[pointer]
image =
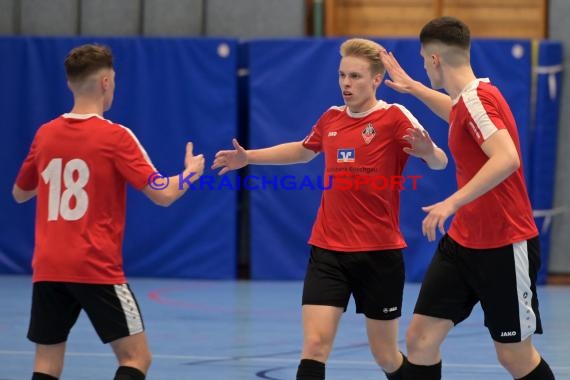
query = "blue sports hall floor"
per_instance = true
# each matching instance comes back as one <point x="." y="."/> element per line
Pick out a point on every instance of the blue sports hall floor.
<point x="247" y="330"/>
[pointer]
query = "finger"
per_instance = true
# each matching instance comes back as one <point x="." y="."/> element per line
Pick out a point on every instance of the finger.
<point x="441" y="226"/>
<point x="236" y="144"/>
<point x="390" y="84"/>
<point x="217" y="163"/>
<point x="431" y="234"/>
<point x="224" y="170"/>
<point x="189" y="147"/>
<point x="223" y="153"/>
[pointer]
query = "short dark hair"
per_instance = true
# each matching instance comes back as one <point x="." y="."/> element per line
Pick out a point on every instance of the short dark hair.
<point x="85" y="60"/>
<point x="448" y="30"/>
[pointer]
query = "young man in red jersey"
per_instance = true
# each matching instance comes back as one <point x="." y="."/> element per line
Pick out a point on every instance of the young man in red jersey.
<point x="490" y="253"/>
<point x="78" y="166"/>
<point x="356" y="240"/>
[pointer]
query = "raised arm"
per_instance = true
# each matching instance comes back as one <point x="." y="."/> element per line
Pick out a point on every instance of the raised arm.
<point x="282" y="154"/>
<point x="178" y="184"/>
<point x="400" y="81"/>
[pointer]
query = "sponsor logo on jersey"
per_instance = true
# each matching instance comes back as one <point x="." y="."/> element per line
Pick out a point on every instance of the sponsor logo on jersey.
<point x="345" y="155"/>
<point x="508" y="333"/>
<point x="332" y="134"/>
<point x="368" y="133"/>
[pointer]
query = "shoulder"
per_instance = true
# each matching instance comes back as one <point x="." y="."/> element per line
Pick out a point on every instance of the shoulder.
<point x="400" y="113"/>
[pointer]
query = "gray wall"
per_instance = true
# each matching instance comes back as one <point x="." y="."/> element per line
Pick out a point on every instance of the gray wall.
<point x="228" y="18"/>
<point x="560" y="250"/>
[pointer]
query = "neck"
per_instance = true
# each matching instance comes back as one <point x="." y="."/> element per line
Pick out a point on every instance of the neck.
<point x="456" y="80"/>
<point x="87" y="106"/>
<point x="367" y="107"/>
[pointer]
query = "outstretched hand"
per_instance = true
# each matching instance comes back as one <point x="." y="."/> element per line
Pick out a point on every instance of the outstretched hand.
<point x="421" y="144"/>
<point x="230" y="159"/>
<point x="436" y="217"/>
<point x="399" y="79"/>
<point x="193" y="164"/>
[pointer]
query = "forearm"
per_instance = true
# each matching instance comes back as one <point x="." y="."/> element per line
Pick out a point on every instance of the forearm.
<point x="282" y="154"/>
<point x="177" y="185"/>
<point x="436" y="161"/>
<point x="495" y="171"/>
<point x="438" y="102"/>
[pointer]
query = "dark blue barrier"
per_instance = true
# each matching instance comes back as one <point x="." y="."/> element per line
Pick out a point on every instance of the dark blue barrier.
<point x="292" y="82"/>
<point x="169" y="91"/>
<point x="173" y="90"/>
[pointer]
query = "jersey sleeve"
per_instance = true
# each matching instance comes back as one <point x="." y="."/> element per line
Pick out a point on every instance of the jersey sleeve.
<point x="27" y="178"/>
<point x="132" y="161"/>
<point x="405" y="121"/>
<point x="483" y="118"/>
<point x="314" y="140"/>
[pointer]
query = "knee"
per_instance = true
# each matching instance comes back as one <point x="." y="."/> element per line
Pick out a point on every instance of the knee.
<point x="316" y="347"/>
<point x="389" y="361"/>
<point x="419" y="342"/>
<point x="140" y="359"/>
<point x="506" y="358"/>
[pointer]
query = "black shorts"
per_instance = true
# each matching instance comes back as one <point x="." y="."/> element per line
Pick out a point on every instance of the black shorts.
<point x="374" y="278"/>
<point x="112" y="309"/>
<point x="503" y="279"/>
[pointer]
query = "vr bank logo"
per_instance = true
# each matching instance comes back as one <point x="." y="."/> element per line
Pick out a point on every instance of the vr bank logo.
<point x="345" y="155"/>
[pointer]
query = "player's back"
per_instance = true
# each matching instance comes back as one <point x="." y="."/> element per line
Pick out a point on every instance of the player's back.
<point x="81" y="199"/>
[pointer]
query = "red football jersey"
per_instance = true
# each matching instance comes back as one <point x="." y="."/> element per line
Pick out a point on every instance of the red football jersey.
<point x="80" y="165"/>
<point x="503" y="215"/>
<point x="364" y="159"/>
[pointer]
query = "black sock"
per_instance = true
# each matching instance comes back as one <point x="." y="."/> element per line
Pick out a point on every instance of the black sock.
<point x="42" y="376"/>
<point x="128" y="373"/>
<point x="399" y="373"/>
<point x="422" y="372"/>
<point x="311" y="370"/>
<point x="541" y="372"/>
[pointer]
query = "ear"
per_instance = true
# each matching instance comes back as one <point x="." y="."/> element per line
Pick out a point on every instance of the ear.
<point x="378" y="78"/>
<point x="105" y="81"/>
<point x="435" y="60"/>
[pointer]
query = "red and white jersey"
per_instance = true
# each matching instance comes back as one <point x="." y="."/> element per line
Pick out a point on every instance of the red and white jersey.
<point x="80" y="165"/>
<point x="363" y="155"/>
<point x="503" y="215"/>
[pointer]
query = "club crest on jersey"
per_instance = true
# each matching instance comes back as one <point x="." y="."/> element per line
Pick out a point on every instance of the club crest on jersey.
<point x="368" y="133"/>
<point x="345" y="155"/>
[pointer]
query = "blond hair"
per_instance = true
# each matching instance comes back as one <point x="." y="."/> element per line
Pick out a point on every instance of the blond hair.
<point x="367" y="49"/>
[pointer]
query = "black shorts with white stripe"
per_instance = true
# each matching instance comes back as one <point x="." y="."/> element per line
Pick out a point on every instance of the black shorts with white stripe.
<point x="502" y="279"/>
<point x="112" y="309"/>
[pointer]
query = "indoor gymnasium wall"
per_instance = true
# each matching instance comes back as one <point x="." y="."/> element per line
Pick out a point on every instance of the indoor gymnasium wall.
<point x="560" y="243"/>
<point x="248" y="19"/>
<point x="241" y="19"/>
